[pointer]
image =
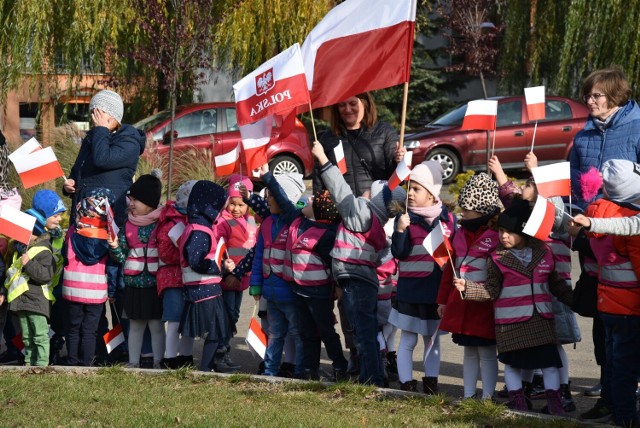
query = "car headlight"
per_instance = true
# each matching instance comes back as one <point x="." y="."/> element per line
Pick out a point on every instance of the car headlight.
<point x="413" y="144"/>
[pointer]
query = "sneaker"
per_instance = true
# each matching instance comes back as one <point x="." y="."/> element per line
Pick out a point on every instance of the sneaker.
<point x="219" y="366"/>
<point x="594" y="391"/>
<point x="9" y="359"/>
<point x="229" y="362"/>
<point x="146" y="362"/>
<point x="599" y="413"/>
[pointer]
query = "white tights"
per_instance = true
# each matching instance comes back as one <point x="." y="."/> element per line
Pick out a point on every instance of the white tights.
<point x="176" y="344"/>
<point x="483" y="360"/>
<point x="408" y="341"/>
<point x="513" y="377"/>
<point x="136" y="333"/>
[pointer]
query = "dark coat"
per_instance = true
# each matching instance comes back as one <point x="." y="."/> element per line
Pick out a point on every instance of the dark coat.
<point x="376" y="146"/>
<point x="107" y="160"/>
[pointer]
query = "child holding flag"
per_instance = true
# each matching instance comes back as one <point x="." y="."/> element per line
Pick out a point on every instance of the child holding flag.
<point x="415" y="309"/>
<point x="471" y="323"/>
<point x="31" y="277"/>
<point x="137" y="248"/>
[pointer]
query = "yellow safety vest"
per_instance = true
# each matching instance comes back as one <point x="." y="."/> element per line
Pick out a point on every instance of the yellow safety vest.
<point x="17" y="281"/>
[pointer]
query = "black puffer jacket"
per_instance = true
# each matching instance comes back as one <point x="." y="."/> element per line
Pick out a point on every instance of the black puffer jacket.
<point x="376" y="146"/>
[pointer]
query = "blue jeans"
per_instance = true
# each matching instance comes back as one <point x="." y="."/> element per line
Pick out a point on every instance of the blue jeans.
<point x="361" y="303"/>
<point x="283" y="319"/>
<point x="621" y="369"/>
<point x="232" y="300"/>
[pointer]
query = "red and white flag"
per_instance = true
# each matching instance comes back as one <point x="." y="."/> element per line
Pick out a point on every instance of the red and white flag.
<point x="16" y="224"/>
<point x="276" y="87"/>
<point x="341" y="162"/>
<point x="112" y="227"/>
<point x="541" y="220"/>
<point x="553" y="180"/>
<point x="402" y="171"/>
<point x="221" y="250"/>
<point x="480" y="115"/>
<point x="38" y="167"/>
<point x="359" y="46"/>
<point x="255" y="139"/>
<point x="438" y="245"/>
<point x="32" y="145"/>
<point x="113" y="338"/>
<point x="228" y="163"/>
<point x="256" y="338"/>
<point x="535" y="102"/>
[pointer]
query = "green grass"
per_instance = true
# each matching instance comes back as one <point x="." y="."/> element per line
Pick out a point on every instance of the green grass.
<point x="113" y="397"/>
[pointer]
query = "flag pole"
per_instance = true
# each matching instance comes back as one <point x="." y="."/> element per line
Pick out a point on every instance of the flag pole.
<point x="493" y="143"/>
<point x="313" y="125"/>
<point x="406" y="201"/>
<point x="533" y="140"/>
<point x="488" y="152"/>
<point x="453" y="266"/>
<point x="403" y="116"/>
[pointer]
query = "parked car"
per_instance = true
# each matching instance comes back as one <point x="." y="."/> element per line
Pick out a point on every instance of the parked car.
<point x="214" y="126"/>
<point x="443" y="141"/>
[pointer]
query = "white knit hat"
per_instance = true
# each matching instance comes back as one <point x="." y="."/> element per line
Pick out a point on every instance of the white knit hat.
<point x="428" y="174"/>
<point x="109" y="102"/>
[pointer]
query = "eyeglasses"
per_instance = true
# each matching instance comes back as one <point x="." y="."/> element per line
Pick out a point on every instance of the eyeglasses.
<point x="593" y="97"/>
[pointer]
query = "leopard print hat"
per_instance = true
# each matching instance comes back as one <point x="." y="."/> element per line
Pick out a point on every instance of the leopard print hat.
<point x="480" y="194"/>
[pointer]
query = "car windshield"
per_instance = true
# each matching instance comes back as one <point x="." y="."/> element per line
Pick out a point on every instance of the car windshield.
<point x="149" y="122"/>
<point x="451" y="118"/>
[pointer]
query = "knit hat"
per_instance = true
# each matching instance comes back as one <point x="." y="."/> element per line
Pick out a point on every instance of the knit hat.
<point x="46" y="203"/>
<point x="292" y="185"/>
<point x="621" y="180"/>
<point x="428" y="174"/>
<point x="182" y="195"/>
<point x="109" y="102"/>
<point x="480" y="194"/>
<point x="235" y="181"/>
<point x="147" y="189"/>
<point x="382" y="196"/>
<point x="515" y="217"/>
<point x="324" y="209"/>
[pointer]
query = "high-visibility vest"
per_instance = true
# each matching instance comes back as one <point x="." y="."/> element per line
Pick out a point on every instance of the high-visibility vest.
<point x="141" y="255"/>
<point x="189" y="276"/>
<point x="360" y="248"/>
<point x="385" y="272"/>
<point x="615" y="270"/>
<point x="84" y="283"/>
<point x="471" y="261"/>
<point x="521" y="295"/>
<point x="562" y="256"/>
<point x="419" y="263"/>
<point x="275" y="249"/>
<point x="305" y="267"/>
<point x="17" y="282"/>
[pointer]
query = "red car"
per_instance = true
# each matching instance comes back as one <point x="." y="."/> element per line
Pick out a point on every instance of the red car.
<point x="443" y="141"/>
<point x="214" y="125"/>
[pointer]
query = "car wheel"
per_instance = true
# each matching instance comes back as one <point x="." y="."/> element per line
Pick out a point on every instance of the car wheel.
<point x="449" y="162"/>
<point x="285" y="165"/>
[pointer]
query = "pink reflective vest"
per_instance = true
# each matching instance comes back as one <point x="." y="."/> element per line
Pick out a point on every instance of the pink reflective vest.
<point x="189" y="276"/>
<point x="140" y="255"/>
<point x="562" y="257"/>
<point x="242" y="239"/>
<point x="304" y="266"/>
<point x="521" y="295"/>
<point x="275" y="250"/>
<point x="419" y="263"/>
<point x="82" y="283"/>
<point x="360" y="248"/>
<point x="615" y="270"/>
<point x="471" y="262"/>
<point x="385" y="273"/>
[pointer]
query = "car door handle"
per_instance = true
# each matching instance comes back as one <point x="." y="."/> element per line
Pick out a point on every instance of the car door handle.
<point x="518" y="133"/>
<point x="566" y="128"/>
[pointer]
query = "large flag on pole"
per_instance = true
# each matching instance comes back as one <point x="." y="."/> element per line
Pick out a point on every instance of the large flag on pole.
<point x="541" y="220"/>
<point x="553" y="180"/>
<point x="480" y="115"/>
<point x="535" y="102"/>
<point x="255" y="139"/>
<point x="359" y="46"/>
<point x="276" y="87"/>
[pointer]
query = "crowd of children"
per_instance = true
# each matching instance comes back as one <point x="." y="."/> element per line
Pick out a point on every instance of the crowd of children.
<point x="504" y="295"/>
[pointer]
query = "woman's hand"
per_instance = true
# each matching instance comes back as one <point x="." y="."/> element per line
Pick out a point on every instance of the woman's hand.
<point x="101" y="118"/>
<point x="69" y="185"/>
<point x="400" y="152"/>
<point x="318" y="152"/>
<point x="403" y="222"/>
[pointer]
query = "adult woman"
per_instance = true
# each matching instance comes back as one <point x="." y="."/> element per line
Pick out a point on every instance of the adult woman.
<point x="370" y="146"/>
<point x="612" y="130"/>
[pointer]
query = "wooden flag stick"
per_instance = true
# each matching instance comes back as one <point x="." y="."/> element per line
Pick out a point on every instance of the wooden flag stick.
<point x="313" y="124"/>
<point x="533" y="140"/>
<point x="403" y="116"/>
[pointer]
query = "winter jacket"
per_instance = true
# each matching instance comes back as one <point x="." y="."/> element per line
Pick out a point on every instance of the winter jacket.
<point x="169" y="274"/>
<point x="107" y="160"/>
<point x="371" y="159"/>
<point x="592" y="147"/>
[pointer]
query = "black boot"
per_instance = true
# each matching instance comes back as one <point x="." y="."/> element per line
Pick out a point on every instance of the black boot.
<point x="567" y="399"/>
<point x="287" y="370"/>
<point x="411" y="386"/>
<point x="430" y="385"/>
<point x="527" y="387"/>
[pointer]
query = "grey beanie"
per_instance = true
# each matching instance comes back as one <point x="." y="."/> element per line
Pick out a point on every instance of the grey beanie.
<point x="292" y="185"/>
<point x="182" y="195"/>
<point x="109" y="102"/>
<point x="621" y="180"/>
<point x="382" y="196"/>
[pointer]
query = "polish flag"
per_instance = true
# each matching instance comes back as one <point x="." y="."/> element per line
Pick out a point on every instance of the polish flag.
<point x="16" y="224"/>
<point x="340" y="160"/>
<point x="38" y="167"/>
<point x="256" y="338"/>
<point x="112" y="227"/>
<point x="175" y="233"/>
<point x="402" y="171"/>
<point x="553" y="180"/>
<point x="480" y="115"/>
<point x="27" y="148"/>
<point x="255" y="139"/>
<point x="227" y="163"/>
<point x="535" y="102"/>
<point x="541" y="220"/>
<point x="276" y="87"/>
<point x="18" y="343"/>
<point x="221" y="250"/>
<point x="113" y="338"/>
<point x="359" y="46"/>
<point x="438" y="245"/>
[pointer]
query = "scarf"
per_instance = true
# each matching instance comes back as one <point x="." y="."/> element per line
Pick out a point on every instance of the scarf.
<point x="428" y="213"/>
<point x="524" y="255"/>
<point x="147" y="219"/>
<point x="603" y="124"/>
<point x="476" y="223"/>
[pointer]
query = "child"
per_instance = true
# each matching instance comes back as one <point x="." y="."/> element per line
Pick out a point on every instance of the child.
<point x="238" y="229"/>
<point x="169" y="279"/>
<point x="137" y="249"/>
<point x="471" y="323"/>
<point x="359" y="240"/>
<point x="29" y="280"/>
<point x="415" y="308"/>
<point x="267" y="276"/>
<point x="204" y="314"/>
<point x="521" y="278"/>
